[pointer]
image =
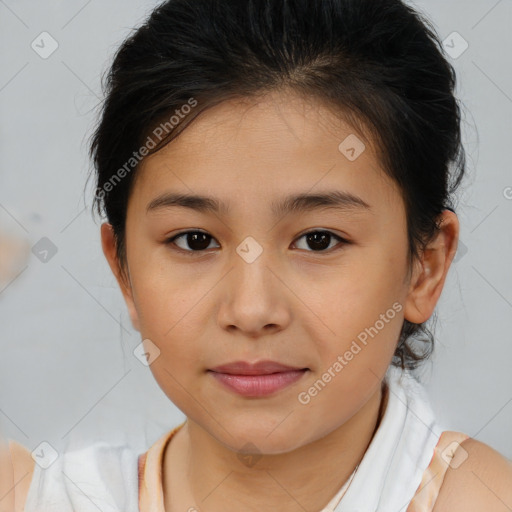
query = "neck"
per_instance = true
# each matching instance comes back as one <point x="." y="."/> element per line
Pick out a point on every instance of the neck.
<point x="210" y="475"/>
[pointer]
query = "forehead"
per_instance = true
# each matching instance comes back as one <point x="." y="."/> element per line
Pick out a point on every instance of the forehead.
<point x="256" y="150"/>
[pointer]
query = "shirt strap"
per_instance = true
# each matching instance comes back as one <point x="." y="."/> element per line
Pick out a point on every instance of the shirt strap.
<point x="150" y="471"/>
<point x="443" y="458"/>
<point x="16" y="470"/>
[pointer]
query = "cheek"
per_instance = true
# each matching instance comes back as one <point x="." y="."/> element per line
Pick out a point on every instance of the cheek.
<point x="171" y="310"/>
<point x="361" y="304"/>
<point x="169" y="316"/>
<point x="164" y="296"/>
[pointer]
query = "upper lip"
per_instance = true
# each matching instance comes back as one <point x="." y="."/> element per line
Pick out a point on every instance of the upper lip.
<point x="259" y="368"/>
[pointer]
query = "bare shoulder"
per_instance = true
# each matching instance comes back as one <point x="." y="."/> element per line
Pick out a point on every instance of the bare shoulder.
<point x="480" y="479"/>
<point x="16" y="470"/>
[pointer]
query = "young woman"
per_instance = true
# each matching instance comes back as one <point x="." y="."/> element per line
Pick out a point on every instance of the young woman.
<point x="277" y="177"/>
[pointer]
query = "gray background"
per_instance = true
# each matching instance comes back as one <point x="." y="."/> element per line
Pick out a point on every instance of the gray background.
<point x="67" y="369"/>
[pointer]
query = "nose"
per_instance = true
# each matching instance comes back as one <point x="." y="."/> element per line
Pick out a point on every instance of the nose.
<point x="254" y="298"/>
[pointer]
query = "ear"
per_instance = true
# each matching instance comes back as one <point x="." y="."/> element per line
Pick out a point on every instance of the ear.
<point x="108" y="243"/>
<point x="430" y="272"/>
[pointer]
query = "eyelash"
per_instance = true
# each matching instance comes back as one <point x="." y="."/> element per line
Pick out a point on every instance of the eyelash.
<point x="170" y="241"/>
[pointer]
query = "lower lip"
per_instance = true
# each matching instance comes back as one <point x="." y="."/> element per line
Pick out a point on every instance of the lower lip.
<point x="258" y="385"/>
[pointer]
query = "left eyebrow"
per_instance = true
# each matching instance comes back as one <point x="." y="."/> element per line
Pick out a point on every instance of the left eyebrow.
<point x="299" y="203"/>
<point x="336" y="199"/>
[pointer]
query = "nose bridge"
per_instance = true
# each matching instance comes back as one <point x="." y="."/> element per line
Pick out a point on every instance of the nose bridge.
<point x="253" y="299"/>
<point x="252" y="264"/>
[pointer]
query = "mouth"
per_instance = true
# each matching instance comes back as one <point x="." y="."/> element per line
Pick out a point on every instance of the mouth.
<point x="257" y="379"/>
<point x="258" y="368"/>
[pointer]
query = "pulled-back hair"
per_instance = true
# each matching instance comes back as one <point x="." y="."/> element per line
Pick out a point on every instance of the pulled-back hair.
<point x="378" y="63"/>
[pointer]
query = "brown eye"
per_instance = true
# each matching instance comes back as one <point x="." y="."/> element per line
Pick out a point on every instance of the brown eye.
<point x="319" y="241"/>
<point x="196" y="240"/>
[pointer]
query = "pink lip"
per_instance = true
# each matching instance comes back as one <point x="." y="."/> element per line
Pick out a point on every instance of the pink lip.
<point x="258" y="379"/>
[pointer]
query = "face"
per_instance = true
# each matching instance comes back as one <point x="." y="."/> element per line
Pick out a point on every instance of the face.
<point x="322" y="288"/>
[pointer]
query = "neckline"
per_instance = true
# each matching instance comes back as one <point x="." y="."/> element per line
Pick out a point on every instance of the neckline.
<point x="397" y="450"/>
<point x="336" y="500"/>
<point x="150" y="466"/>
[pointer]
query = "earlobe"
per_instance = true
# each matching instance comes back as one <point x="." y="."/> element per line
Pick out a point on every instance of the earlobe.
<point x="430" y="272"/>
<point x="108" y="244"/>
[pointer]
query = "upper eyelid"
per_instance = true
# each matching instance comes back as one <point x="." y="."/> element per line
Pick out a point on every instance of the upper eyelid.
<point x="315" y="230"/>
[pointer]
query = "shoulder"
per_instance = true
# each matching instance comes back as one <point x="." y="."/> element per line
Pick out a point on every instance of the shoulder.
<point x="105" y="472"/>
<point x="16" y="470"/>
<point x="479" y="479"/>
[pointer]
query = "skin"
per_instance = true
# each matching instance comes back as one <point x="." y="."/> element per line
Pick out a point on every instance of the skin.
<point x="293" y="304"/>
<point x="482" y="482"/>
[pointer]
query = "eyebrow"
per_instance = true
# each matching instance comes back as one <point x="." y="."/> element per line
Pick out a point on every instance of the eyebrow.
<point x="299" y="203"/>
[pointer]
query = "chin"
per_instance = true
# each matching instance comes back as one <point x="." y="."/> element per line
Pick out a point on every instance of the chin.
<point x="261" y="438"/>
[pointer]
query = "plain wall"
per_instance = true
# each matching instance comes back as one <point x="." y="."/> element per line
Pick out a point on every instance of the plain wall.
<point x="67" y="369"/>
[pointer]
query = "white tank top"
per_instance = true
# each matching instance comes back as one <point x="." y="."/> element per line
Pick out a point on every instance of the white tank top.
<point x="402" y="469"/>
